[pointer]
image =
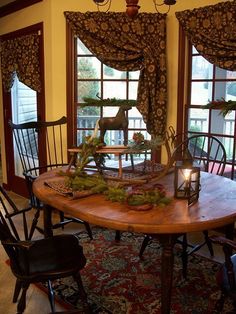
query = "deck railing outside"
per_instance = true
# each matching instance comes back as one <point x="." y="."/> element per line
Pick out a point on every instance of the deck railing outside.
<point x="86" y="125"/>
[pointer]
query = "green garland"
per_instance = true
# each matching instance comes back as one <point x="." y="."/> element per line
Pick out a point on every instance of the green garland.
<point x="224" y="106"/>
<point x="107" y="102"/>
<point x="140" y="197"/>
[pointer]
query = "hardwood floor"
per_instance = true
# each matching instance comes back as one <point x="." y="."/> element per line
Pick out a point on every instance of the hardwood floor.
<point x="37" y="301"/>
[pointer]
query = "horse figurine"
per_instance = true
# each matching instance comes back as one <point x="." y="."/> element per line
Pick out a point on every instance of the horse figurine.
<point x="119" y="122"/>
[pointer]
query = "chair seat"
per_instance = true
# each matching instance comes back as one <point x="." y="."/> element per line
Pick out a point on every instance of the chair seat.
<point x="61" y="254"/>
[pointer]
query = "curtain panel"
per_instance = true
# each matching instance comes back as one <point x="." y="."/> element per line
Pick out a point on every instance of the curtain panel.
<point x="129" y="45"/>
<point x="21" y="56"/>
<point x="212" y="31"/>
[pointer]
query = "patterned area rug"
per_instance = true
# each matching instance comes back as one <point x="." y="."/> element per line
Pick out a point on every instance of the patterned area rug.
<point x="118" y="282"/>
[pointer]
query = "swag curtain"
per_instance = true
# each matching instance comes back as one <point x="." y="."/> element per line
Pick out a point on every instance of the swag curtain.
<point x="21" y="56"/>
<point x="212" y="31"/>
<point x="129" y="45"/>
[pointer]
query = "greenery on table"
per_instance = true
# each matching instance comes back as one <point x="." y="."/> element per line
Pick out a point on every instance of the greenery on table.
<point x="138" y="197"/>
<point x="79" y="180"/>
<point x="224" y="106"/>
<point x="83" y="181"/>
<point x="116" y="194"/>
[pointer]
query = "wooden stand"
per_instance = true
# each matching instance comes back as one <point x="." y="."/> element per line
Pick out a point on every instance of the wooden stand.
<point x="125" y="174"/>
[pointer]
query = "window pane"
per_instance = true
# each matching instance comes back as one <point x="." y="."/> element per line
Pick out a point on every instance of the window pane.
<point x="110" y="111"/>
<point x="222" y="125"/>
<point x="133" y="90"/>
<point x="201" y="93"/>
<point x="201" y="68"/>
<point x="114" y="90"/>
<point x="231" y="75"/>
<point x="136" y="119"/>
<point x="220" y="90"/>
<point x="81" y="48"/>
<point x="87" y="117"/>
<point x="198" y="120"/>
<point x="229" y="123"/>
<point x="134" y="75"/>
<point x="87" y="89"/>
<point x="81" y="135"/>
<point x="220" y="73"/>
<point x="194" y="50"/>
<point x="110" y="73"/>
<point x="114" y="137"/>
<point x="231" y="90"/>
<point x="88" y="68"/>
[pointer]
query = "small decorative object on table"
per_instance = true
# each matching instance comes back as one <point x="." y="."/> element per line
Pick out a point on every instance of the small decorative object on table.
<point x="139" y="198"/>
<point x="187" y="180"/>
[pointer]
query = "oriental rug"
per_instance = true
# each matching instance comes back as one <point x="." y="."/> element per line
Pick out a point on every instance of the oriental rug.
<point x="118" y="282"/>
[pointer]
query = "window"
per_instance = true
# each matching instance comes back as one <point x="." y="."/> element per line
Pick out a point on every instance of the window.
<point x="24" y="109"/>
<point x="96" y="80"/>
<point x="207" y="83"/>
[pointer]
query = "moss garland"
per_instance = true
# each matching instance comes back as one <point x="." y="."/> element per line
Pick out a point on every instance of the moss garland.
<point x="224" y="106"/>
<point x="107" y="102"/>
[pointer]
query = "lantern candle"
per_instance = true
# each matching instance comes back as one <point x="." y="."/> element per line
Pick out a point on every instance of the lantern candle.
<point x="187" y="181"/>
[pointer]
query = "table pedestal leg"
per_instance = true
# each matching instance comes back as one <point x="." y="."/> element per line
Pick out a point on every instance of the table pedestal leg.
<point x="47" y="221"/>
<point x="167" y="260"/>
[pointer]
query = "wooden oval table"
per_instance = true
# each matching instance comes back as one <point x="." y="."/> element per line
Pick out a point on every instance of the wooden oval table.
<point x="216" y="207"/>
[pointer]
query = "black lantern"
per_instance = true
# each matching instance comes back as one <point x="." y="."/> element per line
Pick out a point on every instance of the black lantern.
<point x="187" y="181"/>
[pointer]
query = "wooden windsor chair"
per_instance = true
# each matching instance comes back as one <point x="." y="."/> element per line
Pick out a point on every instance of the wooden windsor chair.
<point x="209" y="153"/>
<point x="41" y="260"/>
<point x="29" y="139"/>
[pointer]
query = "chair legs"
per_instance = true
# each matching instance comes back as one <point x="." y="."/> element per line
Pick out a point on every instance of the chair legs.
<point x="208" y="243"/>
<point x="89" y="231"/>
<point x="17" y="290"/>
<point x="184" y="256"/>
<point x="117" y="236"/>
<point x="82" y="293"/>
<point x="51" y="296"/>
<point x="146" y="241"/>
<point x="34" y="223"/>
<point x="21" y="304"/>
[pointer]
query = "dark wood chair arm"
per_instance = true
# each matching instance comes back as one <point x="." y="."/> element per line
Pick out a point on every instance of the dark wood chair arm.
<point x="223" y="241"/>
<point x="22" y="244"/>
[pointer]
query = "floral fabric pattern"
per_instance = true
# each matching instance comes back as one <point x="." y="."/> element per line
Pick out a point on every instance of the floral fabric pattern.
<point x="212" y="30"/>
<point x="21" y="56"/>
<point x="129" y="45"/>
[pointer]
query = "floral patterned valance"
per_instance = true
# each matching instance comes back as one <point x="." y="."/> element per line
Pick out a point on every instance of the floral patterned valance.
<point x="128" y="45"/>
<point x="21" y="56"/>
<point x="212" y="30"/>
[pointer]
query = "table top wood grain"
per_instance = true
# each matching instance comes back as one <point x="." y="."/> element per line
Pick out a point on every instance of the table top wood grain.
<point x="216" y="207"/>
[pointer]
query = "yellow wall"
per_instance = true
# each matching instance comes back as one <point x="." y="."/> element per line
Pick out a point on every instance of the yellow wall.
<point x="50" y="12"/>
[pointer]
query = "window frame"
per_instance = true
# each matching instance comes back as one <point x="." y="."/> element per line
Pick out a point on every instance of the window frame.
<point x="184" y="97"/>
<point x="71" y="87"/>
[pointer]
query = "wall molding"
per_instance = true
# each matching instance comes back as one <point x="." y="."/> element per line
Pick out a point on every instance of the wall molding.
<point x="16" y="6"/>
